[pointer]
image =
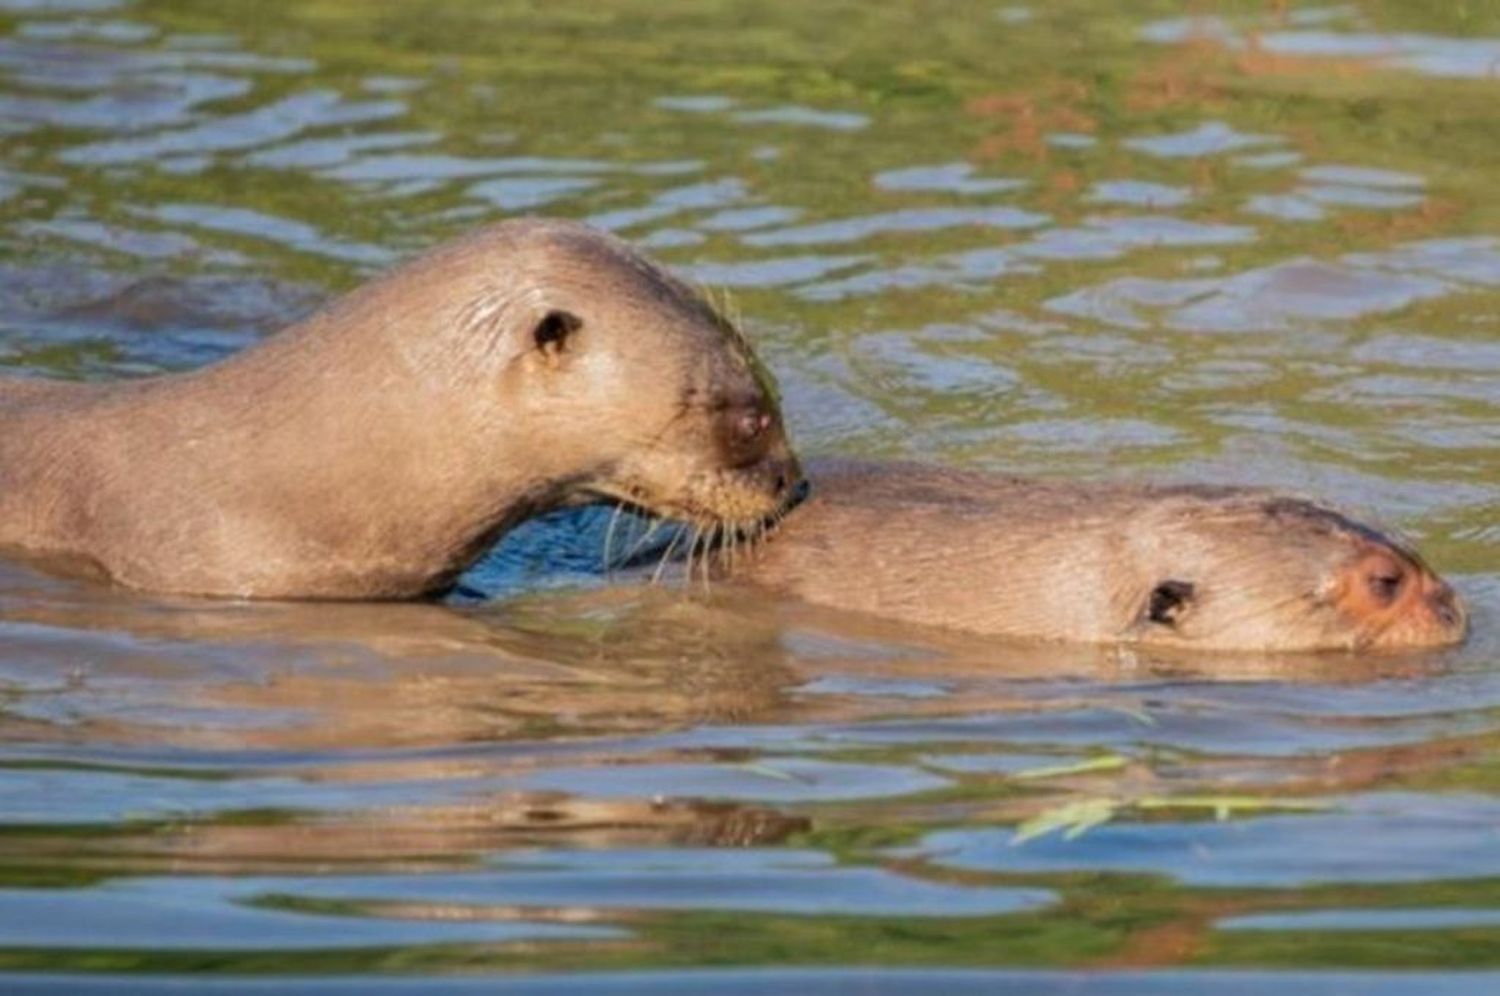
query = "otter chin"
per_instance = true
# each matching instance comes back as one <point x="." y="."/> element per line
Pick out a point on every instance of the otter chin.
<point x="377" y="448"/>
<point x="1205" y="568"/>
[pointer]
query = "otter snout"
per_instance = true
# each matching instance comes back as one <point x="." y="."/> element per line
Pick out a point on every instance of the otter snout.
<point x="1447" y="608"/>
<point x="780" y="475"/>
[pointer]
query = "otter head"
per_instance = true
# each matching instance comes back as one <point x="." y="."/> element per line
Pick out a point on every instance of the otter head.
<point x="1282" y="574"/>
<point x="628" y="385"/>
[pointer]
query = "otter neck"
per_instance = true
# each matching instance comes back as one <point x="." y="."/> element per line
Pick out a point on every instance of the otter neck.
<point x="360" y="453"/>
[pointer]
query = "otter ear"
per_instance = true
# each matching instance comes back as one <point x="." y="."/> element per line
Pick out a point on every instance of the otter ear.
<point x="553" y="332"/>
<point x="1169" y="602"/>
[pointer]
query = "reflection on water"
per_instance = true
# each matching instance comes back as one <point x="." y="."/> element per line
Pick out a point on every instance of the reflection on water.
<point x="1357" y="39"/>
<point x="1428" y="839"/>
<point x="1251" y="245"/>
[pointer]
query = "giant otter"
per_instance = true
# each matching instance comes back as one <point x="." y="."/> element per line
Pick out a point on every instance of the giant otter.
<point x="377" y="448"/>
<point x="1210" y="568"/>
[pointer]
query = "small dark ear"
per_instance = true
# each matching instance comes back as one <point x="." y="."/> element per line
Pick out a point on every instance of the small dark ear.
<point x="552" y="333"/>
<point x="1169" y="600"/>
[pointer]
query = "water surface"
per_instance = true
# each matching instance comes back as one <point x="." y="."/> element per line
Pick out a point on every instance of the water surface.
<point x="1256" y="245"/>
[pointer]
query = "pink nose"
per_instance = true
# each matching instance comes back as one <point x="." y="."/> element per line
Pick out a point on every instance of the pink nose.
<point x="1446" y="606"/>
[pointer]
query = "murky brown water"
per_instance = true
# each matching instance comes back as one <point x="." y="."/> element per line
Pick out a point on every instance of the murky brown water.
<point x="1259" y="245"/>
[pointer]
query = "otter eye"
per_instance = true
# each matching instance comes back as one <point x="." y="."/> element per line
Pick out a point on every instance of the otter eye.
<point x="1168" y="601"/>
<point x="552" y="332"/>
<point x="1385" y="585"/>
<point x="751" y="423"/>
<point x="744" y="429"/>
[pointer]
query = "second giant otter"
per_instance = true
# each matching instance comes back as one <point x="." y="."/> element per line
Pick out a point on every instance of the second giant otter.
<point x="1209" y="568"/>
<point x="379" y="447"/>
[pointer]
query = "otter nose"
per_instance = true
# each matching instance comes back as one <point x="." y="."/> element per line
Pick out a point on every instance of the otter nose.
<point x="1447" y="608"/>
<point x="783" y="474"/>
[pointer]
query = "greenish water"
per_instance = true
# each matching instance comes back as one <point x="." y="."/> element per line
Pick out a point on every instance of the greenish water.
<point x="1080" y="238"/>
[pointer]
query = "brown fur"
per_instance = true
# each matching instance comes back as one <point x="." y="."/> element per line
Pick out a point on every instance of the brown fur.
<point x="1202" y="567"/>
<point x="377" y="448"/>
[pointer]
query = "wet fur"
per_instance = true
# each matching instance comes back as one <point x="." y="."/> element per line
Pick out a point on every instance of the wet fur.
<point x="1206" y="567"/>
<point x="377" y="448"/>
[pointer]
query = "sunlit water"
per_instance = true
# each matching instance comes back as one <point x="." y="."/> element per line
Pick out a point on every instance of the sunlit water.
<point x="1060" y="239"/>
